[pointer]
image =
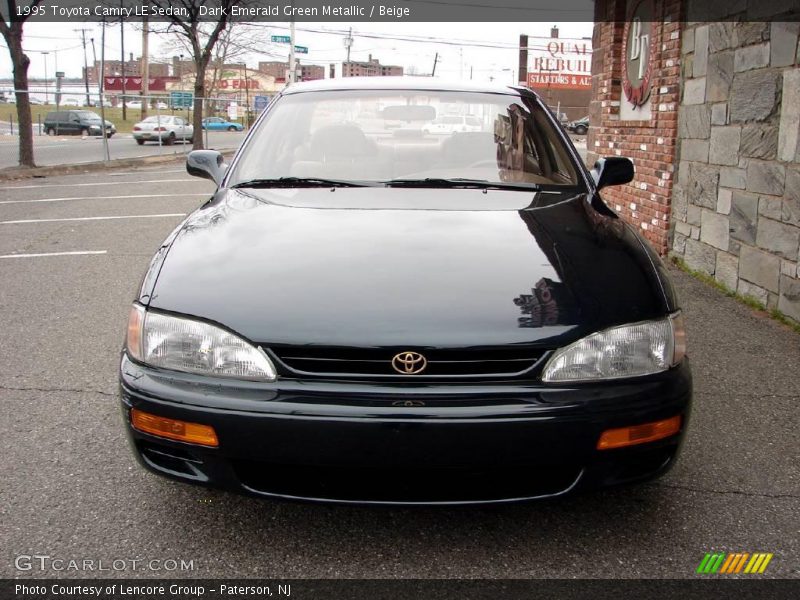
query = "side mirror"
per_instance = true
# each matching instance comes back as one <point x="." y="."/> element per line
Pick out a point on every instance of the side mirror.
<point x="612" y="170"/>
<point x="207" y="164"/>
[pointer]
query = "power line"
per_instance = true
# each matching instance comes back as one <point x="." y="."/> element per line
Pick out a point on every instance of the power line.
<point x="441" y="41"/>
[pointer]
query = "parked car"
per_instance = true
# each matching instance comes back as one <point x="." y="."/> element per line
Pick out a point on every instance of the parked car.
<point x="220" y="124"/>
<point x="77" y="122"/>
<point x="70" y="102"/>
<point x="135" y="104"/>
<point x="166" y="129"/>
<point x="581" y="126"/>
<point x="162" y="106"/>
<point x="463" y="320"/>
<point x="452" y="124"/>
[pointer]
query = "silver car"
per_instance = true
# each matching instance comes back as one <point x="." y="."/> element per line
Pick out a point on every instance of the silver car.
<point x="165" y="129"/>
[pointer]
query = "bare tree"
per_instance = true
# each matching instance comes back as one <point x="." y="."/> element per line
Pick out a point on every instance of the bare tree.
<point x="11" y="27"/>
<point x="200" y="39"/>
<point x="234" y="43"/>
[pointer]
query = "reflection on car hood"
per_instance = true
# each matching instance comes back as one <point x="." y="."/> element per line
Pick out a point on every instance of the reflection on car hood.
<point x="376" y="266"/>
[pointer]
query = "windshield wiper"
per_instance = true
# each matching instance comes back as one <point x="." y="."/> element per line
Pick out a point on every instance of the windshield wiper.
<point x="298" y="182"/>
<point x="459" y="182"/>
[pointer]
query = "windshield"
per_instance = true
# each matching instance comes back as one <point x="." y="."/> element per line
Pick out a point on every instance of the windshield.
<point x="377" y="136"/>
<point x="158" y="119"/>
<point x="87" y="115"/>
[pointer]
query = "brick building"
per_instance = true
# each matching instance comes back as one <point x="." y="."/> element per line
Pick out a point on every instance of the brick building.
<point x="646" y="134"/>
<point x="371" y="68"/>
<point x="113" y="68"/>
<point x="277" y="69"/>
<point x="712" y="122"/>
<point x="559" y="70"/>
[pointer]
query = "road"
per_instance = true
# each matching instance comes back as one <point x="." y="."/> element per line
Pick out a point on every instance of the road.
<point x="72" y="490"/>
<point x="62" y="150"/>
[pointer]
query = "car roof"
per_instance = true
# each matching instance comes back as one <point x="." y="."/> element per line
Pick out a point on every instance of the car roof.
<point x="401" y="83"/>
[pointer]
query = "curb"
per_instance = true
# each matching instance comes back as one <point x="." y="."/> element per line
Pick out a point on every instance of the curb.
<point x="16" y="173"/>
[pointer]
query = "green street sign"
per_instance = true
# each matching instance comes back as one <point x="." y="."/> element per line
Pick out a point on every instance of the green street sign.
<point x="181" y="99"/>
<point x="301" y="49"/>
<point x="282" y="39"/>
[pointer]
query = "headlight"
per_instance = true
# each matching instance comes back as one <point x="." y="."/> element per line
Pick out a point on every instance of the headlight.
<point x="190" y="346"/>
<point x="625" y="351"/>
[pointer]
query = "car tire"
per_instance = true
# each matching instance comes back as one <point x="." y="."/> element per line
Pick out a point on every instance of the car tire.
<point x="108" y="135"/>
<point x="84" y="132"/>
<point x="231" y="128"/>
<point x="51" y="131"/>
<point x="580" y="130"/>
<point x="140" y="142"/>
<point x="170" y="139"/>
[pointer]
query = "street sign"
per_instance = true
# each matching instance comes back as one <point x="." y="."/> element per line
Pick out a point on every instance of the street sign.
<point x="260" y="103"/>
<point x="59" y="74"/>
<point x="233" y="111"/>
<point x="285" y="39"/>
<point x="181" y="99"/>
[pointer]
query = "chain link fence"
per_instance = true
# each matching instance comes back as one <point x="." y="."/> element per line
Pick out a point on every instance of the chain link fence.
<point x="67" y="127"/>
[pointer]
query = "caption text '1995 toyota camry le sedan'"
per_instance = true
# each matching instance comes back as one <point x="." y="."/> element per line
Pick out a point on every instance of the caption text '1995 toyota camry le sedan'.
<point x="385" y="314"/>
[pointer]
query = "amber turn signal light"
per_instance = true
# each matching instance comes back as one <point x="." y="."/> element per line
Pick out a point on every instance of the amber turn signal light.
<point x="639" y="434"/>
<point x="191" y="433"/>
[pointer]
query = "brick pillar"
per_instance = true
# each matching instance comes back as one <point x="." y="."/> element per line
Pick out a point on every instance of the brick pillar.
<point x="645" y="202"/>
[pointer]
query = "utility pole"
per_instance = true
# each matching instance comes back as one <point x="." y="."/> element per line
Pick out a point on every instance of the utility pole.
<point x="145" y="69"/>
<point x="435" y="60"/>
<point x="44" y="54"/>
<point x="85" y="63"/>
<point x="348" y="42"/>
<point x="122" y="64"/>
<point x="291" y="78"/>
<point x="101" y="96"/>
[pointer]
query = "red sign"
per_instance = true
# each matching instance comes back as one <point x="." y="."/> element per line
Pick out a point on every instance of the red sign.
<point x="239" y="84"/>
<point x="134" y="84"/>
<point x="638" y="44"/>
<point x="562" y="81"/>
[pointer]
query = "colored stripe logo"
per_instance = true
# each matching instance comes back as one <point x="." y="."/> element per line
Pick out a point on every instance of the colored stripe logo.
<point x="734" y="562"/>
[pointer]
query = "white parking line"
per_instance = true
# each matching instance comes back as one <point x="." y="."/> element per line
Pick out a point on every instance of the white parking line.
<point x="124" y="173"/>
<point x="52" y="185"/>
<point x="105" y="198"/>
<point x="92" y="218"/>
<point x="77" y="253"/>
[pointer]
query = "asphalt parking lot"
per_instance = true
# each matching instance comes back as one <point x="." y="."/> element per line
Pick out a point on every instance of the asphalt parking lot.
<point x="72" y="252"/>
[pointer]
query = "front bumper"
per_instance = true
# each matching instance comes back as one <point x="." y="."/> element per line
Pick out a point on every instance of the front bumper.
<point x="354" y="442"/>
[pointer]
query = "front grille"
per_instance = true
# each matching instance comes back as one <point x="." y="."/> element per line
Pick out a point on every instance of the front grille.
<point x="329" y="361"/>
<point x="418" y="484"/>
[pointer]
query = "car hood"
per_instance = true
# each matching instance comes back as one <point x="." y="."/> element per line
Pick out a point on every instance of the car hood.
<point x="394" y="267"/>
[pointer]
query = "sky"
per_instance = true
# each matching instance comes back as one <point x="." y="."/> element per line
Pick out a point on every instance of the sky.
<point x="483" y="51"/>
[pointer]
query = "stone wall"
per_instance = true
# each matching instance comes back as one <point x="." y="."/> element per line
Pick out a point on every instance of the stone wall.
<point x="650" y="142"/>
<point x="736" y="198"/>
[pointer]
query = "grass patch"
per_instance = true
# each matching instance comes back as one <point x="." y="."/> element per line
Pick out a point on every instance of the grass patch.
<point x="750" y="301"/>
